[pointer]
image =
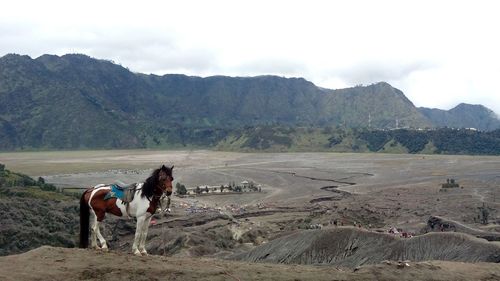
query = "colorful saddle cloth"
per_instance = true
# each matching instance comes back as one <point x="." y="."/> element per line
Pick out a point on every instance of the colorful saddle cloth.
<point x="116" y="192"/>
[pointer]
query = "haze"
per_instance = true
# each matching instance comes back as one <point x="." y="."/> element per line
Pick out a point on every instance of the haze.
<point x="438" y="53"/>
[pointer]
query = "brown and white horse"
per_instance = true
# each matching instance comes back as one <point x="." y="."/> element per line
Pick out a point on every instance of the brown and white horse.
<point x="142" y="207"/>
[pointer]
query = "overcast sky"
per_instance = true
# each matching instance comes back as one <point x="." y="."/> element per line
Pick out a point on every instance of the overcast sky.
<point x="439" y="53"/>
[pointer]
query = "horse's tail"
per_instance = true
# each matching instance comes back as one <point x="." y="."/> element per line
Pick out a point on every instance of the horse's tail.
<point x="84" y="221"/>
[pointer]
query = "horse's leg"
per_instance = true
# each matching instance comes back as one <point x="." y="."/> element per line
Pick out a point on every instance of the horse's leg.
<point x="99" y="218"/>
<point x="93" y="235"/>
<point x="142" y="242"/>
<point x="138" y="233"/>
<point x="104" y="246"/>
<point x="96" y="232"/>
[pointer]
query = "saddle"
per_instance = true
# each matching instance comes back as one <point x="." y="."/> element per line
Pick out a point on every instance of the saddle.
<point x="124" y="193"/>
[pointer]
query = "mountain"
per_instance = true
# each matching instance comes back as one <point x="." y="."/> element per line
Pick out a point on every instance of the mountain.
<point x="77" y="102"/>
<point x="463" y="115"/>
<point x="287" y="139"/>
<point x="63" y="103"/>
<point x="383" y="105"/>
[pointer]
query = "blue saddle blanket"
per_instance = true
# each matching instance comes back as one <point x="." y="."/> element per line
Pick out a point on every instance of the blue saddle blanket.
<point x="116" y="192"/>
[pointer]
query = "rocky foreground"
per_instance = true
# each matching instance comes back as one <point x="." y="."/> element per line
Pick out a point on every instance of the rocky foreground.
<point x="49" y="263"/>
<point x="350" y="247"/>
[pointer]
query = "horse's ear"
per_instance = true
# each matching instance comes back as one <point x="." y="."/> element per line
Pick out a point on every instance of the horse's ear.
<point x="163" y="167"/>
<point x="162" y="174"/>
<point x="172" y="168"/>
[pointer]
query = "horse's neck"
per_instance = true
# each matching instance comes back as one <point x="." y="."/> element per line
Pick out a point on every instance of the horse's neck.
<point x="153" y="200"/>
<point x="156" y="196"/>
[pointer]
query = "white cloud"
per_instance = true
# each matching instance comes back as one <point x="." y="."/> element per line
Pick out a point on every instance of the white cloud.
<point x="439" y="53"/>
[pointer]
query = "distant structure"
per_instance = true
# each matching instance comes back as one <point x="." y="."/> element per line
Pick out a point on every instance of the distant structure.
<point x="484" y="214"/>
<point x="450" y="183"/>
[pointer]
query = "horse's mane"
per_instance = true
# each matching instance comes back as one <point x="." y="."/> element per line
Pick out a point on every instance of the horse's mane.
<point x="149" y="185"/>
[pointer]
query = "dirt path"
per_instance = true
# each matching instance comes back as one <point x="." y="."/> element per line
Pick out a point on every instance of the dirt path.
<point x="480" y="196"/>
<point x="47" y="263"/>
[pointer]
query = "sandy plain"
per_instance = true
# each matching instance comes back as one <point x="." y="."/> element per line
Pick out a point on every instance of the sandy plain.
<point x="372" y="191"/>
<point x="399" y="189"/>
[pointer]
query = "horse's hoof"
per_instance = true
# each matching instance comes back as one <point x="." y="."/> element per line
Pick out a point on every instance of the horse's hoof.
<point x="137" y="253"/>
<point x="145" y="253"/>
<point x="105" y="249"/>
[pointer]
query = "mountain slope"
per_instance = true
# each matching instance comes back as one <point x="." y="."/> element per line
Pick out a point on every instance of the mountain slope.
<point x="59" y="108"/>
<point x="463" y="116"/>
<point x="234" y="101"/>
<point x="378" y="106"/>
<point x="350" y="247"/>
<point x="75" y="102"/>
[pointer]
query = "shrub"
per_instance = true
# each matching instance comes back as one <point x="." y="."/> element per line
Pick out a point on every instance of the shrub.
<point x="180" y="189"/>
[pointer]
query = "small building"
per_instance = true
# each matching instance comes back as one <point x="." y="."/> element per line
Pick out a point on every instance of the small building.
<point x="450" y="183"/>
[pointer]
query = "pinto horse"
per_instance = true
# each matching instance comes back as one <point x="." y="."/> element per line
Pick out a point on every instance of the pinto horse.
<point x="144" y="204"/>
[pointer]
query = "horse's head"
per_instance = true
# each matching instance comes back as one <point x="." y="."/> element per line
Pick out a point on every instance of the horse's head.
<point x="165" y="179"/>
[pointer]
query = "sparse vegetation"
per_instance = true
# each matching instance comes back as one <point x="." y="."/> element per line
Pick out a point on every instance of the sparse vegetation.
<point x="11" y="179"/>
<point x="34" y="214"/>
<point x="484" y="214"/>
<point x="450" y="183"/>
<point x="180" y="189"/>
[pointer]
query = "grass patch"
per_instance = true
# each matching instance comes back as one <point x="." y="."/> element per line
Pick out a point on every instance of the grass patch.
<point x="36" y="193"/>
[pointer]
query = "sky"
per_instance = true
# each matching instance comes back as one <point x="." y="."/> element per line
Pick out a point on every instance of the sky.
<point x="439" y="53"/>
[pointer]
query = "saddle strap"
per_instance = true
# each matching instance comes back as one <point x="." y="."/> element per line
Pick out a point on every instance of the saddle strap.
<point x="129" y="197"/>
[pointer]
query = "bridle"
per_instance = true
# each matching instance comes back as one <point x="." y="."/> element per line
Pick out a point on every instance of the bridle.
<point x="162" y="187"/>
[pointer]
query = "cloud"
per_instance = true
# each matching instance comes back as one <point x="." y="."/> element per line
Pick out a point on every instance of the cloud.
<point x="370" y="72"/>
<point x="139" y="49"/>
<point x="149" y="53"/>
<point x="275" y="66"/>
<point x="437" y="56"/>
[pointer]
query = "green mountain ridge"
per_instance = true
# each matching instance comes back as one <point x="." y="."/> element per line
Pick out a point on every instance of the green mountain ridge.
<point x="385" y="106"/>
<point x="78" y="102"/>
<point x="463" y="116"/>
<point x="300" y="139"/>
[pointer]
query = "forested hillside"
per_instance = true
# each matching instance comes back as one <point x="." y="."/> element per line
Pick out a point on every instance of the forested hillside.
<point x="78" y="102"/>
<point x="439" y="141"/>
<point x="463" y="115"/>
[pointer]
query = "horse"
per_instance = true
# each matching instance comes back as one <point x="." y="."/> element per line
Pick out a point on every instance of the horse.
<point x="146" y="199"/>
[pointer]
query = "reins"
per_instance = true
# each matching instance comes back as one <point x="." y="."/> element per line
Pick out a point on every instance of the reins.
<point x="157" y="196"/>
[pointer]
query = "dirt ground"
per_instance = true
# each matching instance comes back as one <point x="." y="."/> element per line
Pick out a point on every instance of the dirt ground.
<point x="47" y="263"/>
<point x="299" y="190"/>
<point x="398" y="190"/>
